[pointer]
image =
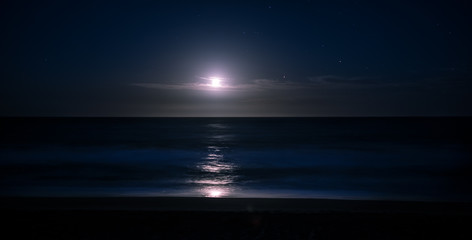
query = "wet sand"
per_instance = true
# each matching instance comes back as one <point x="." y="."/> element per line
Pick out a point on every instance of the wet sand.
<point x="204" y="218"/>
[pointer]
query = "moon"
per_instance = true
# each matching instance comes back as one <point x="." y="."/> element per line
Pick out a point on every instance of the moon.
<point x="215" y="82"/>
<point x="215" y="193"/>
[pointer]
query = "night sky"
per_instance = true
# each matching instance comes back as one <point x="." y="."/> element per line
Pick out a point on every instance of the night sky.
<point x="235" y="58"/>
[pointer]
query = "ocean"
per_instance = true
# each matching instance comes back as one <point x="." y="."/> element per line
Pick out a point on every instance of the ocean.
<point x="421" y="159"/>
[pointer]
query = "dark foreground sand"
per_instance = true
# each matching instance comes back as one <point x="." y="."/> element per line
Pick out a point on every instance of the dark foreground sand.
<point x="202" y="218"/>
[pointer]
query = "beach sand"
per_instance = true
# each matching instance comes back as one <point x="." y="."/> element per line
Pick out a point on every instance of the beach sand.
<point x="207" y="218"/>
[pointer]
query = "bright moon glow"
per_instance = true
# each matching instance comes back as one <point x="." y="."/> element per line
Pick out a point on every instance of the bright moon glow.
<point x="215" y="193"/>
<point x="215" y="82"/>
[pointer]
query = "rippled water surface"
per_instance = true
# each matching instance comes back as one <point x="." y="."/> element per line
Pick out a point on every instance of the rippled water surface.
<point x="353" y="158"/>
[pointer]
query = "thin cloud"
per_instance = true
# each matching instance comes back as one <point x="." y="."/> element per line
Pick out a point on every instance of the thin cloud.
<point x="266" y="84"/>
<point x="228" y="85"/>
<point x="168" y="86"/>
<point x="340" y="80"/>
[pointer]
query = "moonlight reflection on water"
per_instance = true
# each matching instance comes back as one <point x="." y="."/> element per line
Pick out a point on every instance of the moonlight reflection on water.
<point x="214" y="173"/>
<point x="215" y="176"/>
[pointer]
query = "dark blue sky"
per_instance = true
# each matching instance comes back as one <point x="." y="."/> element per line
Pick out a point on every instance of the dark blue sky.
<point x="274" y="58"/>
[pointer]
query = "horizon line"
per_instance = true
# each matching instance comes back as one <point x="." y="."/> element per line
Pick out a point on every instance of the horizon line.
<point x="328" y="116"/>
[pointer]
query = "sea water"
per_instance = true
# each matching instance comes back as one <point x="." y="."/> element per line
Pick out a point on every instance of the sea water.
<point x="426" y="159"/>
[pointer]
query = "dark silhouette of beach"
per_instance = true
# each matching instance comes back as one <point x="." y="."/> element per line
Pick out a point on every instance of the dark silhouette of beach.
<point x="214" y="218"/>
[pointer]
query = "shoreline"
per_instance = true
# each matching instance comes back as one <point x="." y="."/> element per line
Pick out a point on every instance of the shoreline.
<point x="200" y="204"/>
<point x="205" y="218"/>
